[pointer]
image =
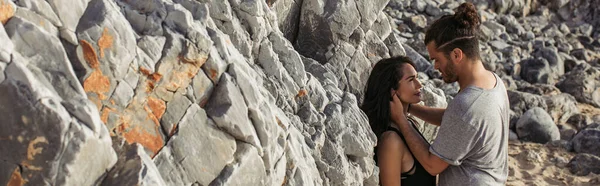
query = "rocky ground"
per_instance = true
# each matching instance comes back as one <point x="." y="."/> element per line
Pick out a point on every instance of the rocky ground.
<point x="212" y="92"/>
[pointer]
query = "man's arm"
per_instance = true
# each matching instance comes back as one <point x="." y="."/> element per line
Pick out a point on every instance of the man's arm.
<point x="428" y="114"/>
<point x="417" y="145"/>
<point x="420" y="149"/>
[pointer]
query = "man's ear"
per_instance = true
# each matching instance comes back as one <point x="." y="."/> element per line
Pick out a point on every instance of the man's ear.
<point x="456" y="55"/>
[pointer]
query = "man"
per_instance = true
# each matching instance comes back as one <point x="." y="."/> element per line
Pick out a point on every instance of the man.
<point x="471" y="147"/>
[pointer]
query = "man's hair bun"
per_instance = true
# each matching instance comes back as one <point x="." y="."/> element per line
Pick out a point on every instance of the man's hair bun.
<point x="467" y="17"/>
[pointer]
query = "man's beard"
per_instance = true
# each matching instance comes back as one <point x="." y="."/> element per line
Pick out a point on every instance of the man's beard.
<point x="449" y="74"/>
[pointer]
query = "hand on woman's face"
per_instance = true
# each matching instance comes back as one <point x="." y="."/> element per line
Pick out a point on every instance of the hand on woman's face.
<point x="409" y="87"/>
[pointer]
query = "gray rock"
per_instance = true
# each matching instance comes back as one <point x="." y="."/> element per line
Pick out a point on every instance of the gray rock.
<point x="134" y="167"/>
<point x="584" y="164"/>
<point x="357" y="73"/>
<point x="123" y="94"/>
<point x="537" y="71"/>
<point x="269" y="61"/>
<point x="539" y="89"/>
<point x="495" y="27"/>
<point x="423" y="65"/>
<point x="227" y="107"/>
<point x="520" y="102"/>
<point x="561" y="144"/>
<point x="152" y="46"/>
<point x="394" y="46"/>
<point x="215" y="65"/>
<point x="318" y="95"/>
<point x="579" y="121"/>
<point x="247" y="168"/>
<point x="537" y="126"/>
<point x="288" y="12"/>
<point x="301" y="166"/>
<point x="45" y="56"/>
<point x="2" y="76"/>
<point x="512" y="136"/>
<point x="203" y="87"/>
<point x="176" y="109"/>
<point x="112" y="34"/>
<point x="419" y="6"/>
<point x="42" y="8"/>
<point x="567" y="134"/>
<point x="498" y="44"/>
<point x="85" y="111"/>
<point x="145" y="17"/>
<point x="290" y="59"/>
<point x="322" y="23"/>
<point x="369" y="11"/>
<point x="359" y="140"/>
<point x="37" y="125"/>
<point x="580" y="83"/>
<point x="374" y="48"/>
<point x="37" y="20"/>
<point x="69" y="16"/>
<point x="555" y="61"/>
<point x="512" y="25"/>
<point x="196" y="153"/>
<point x="7" y="48"/>
<point x="418" y="22"/>
<point x="259" y="110"/>
<point x="561" y="107"/>
<point x="586" y="141"/>
<point x="382" y="26"/>
<point x="433" y="10"/>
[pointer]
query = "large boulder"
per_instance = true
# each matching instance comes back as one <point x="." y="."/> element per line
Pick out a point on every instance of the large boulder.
<point x="582" y="83"/>
<point x="536" y="125"/>
<point x="584" y="164"/>
<point x="587" y="141"/>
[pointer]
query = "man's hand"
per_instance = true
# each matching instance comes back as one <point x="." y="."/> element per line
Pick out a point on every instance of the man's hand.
<point x="396" y="108"/>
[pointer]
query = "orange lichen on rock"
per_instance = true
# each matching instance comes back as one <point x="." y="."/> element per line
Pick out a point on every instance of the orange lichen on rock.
<point x="213" y="73"/>
<point x="32" y="150"/>
<point x="149" y="86"/>
<point x="16" y="179"/>
<point x="97" y="83"/>
<point x="136" y="134"/>
<point x="153" y="76"/>
<point x="105" y="41"/>
<point x="302" y="93"/>
<point x="157" y="106"/>
<point x="105" y="113"/>
<point x="6" y="11"/>
<point x="89" y="54"/>
<point x="145" y="71"/>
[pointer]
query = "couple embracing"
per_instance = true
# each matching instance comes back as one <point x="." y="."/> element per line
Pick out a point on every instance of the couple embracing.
<point x="471" y="147"/>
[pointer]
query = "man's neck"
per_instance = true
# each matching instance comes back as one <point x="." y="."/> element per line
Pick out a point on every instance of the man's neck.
<point x="474" y="74"/>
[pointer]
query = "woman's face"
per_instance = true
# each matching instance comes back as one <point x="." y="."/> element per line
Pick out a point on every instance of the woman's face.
<point x="409" y="87"/>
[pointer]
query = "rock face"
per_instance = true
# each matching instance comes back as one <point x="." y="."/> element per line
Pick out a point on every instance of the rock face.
<point x="209" y="92"/>
<point x="191" y="92"/>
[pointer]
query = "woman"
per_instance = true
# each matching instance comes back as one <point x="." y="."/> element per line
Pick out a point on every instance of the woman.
<point x="396" y="163"/>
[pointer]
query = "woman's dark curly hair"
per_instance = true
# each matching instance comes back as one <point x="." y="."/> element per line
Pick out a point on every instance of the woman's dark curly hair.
<point x="384" y="77"/>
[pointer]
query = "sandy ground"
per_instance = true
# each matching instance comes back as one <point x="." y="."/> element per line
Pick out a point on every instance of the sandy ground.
<point x="539" y="164"/>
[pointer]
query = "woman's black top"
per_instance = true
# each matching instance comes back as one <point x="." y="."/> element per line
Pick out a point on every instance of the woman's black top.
<point x="420" y="176"/>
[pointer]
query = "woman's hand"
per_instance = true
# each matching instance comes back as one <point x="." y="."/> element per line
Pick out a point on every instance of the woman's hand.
<point x="396" y="108"/>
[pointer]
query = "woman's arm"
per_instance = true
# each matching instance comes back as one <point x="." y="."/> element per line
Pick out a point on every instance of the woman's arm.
<point x="389" y="154"/>
<point x="428" y="114"/>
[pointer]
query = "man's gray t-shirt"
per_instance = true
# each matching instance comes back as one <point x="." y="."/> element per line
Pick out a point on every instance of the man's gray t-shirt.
<point x="473" y="137"/>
